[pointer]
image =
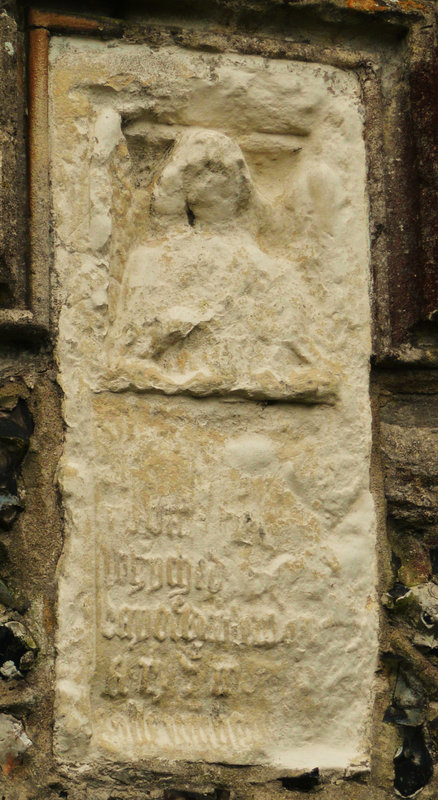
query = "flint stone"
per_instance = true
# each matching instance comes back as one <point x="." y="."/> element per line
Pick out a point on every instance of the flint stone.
<point x="13" y="742"/>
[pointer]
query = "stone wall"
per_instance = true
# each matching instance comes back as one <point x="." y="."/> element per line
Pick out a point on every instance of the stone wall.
<point x="392" y="47"/>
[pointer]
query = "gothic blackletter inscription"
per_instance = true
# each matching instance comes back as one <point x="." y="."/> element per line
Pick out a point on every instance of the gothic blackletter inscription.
<point x="211" y="274"/>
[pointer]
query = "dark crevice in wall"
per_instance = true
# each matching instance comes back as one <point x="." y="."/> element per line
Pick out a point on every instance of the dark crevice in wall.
<point x="190" y="216"/>
<point x="183" y="794"/>
<point x="11" y="648"/>
<point x="16" y="428"/>
<point x="17" y="650"/>
<point x="301" y="783"/>
<point x="433" y="552"/>
<point x="412" y="764"/>
<point x="398" y="590"/>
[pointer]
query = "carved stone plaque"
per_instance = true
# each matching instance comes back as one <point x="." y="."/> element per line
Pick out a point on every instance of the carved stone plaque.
<point x="216" y="589"/>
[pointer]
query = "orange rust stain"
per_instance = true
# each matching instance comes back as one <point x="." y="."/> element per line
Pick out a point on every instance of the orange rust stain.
<point x="70" y="22"/>
<point x="412" y="5"/>
<point x="10" y="764"/>
<point x="373" y="6"/>
<point x="365" y="5"/>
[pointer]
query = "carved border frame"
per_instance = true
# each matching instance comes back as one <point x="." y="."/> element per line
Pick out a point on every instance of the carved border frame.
<point x="401" y="141"/>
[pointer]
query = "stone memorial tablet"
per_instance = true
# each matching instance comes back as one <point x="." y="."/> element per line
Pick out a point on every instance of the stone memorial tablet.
<point x="216" y="589"/>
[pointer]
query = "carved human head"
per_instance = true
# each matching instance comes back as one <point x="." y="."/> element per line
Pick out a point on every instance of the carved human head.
<point x="206" y="181"/>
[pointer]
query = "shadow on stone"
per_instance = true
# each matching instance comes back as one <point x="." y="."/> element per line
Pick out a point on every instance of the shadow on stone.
<point x="412" y="764"/>
<point x="301" y="783"/>
<point x="182" y="794"/>
<point x="17" y="650"/>
<point x="16" y="428"/>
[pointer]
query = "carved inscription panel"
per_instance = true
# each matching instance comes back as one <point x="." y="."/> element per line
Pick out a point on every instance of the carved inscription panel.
<point x="216" y="589"/>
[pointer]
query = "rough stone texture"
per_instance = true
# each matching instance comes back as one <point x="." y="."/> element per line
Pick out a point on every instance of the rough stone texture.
<point x="213" y="545"/>
<point x="392" y="47"/>
<point x="409" y="446"/>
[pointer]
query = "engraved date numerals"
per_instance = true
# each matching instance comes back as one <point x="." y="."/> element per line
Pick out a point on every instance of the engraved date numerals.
<point x="143" y="677"/>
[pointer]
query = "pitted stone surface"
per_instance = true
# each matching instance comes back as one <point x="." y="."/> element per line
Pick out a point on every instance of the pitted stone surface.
<point x="216" y="590"/>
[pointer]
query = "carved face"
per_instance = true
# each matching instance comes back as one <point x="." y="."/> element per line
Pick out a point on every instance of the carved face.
<point x="207" y="178"/>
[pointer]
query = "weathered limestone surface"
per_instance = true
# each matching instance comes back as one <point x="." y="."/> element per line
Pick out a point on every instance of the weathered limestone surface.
<point x="216" y="596"/>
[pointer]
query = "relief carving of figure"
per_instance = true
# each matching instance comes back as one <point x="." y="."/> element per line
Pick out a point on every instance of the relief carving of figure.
<point x="202" y="308"/>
